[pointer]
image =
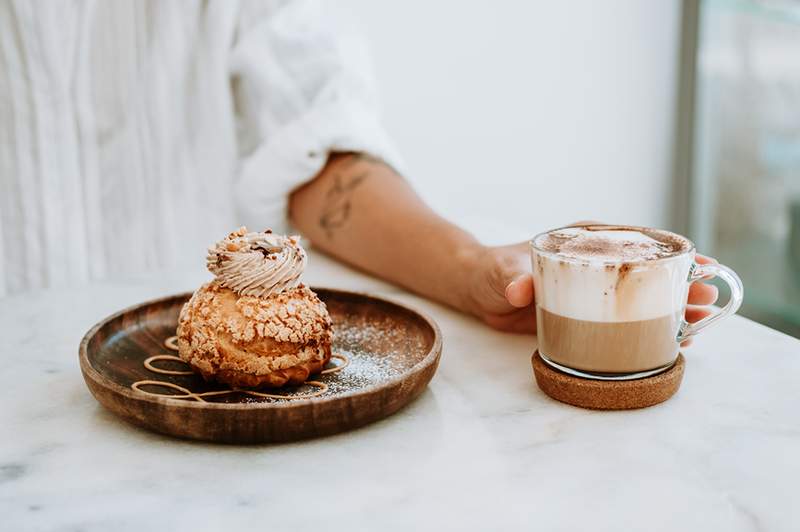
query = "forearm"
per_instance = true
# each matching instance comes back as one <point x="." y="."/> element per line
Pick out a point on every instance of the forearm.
<point x="362" y="212"/>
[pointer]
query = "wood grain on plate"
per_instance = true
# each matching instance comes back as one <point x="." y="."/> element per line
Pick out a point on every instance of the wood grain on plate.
<point x="393" y="351"/>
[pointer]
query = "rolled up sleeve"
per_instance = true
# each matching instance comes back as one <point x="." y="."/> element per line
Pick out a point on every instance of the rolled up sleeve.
<point x="298" y="95"/>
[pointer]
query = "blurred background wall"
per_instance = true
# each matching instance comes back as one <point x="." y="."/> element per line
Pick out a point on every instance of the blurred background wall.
<point x="514" y="117"/>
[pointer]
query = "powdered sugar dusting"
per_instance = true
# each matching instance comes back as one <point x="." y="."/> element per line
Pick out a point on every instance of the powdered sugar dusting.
<point x="378" y="347"/>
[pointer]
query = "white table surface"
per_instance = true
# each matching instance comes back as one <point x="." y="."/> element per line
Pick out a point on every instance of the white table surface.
<point x="481" y="449"/>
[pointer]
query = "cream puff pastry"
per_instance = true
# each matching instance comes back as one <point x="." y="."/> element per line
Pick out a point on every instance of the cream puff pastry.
<point x="255" y="325"/>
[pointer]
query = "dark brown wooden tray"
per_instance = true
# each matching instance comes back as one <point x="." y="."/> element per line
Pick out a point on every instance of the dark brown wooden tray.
<point x="393" y="350"/>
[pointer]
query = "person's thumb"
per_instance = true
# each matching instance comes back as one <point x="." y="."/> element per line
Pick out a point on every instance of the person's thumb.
<point x="519" y="291"/>
<point x="509" y="284"/>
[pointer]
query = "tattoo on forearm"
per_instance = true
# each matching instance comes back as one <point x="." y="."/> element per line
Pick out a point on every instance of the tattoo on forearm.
<point x="338" y="205"/>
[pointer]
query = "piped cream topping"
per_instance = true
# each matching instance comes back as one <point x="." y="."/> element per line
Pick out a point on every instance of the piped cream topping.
<point x="260" y="264"/>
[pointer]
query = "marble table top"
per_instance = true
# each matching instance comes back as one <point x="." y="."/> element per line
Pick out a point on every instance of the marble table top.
<point x="481" y="449"/>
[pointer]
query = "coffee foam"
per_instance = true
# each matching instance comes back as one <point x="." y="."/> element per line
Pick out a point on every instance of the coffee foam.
<point x="610" y="274"/>
<point x="605" y="243"/>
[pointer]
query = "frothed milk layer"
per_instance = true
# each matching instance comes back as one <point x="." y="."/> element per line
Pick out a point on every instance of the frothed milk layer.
<point x="610" y="275"/>
<point x="606" y="243"/>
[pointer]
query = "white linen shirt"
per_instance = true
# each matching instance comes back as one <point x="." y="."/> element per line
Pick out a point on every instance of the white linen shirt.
<point x="134" y="134"/>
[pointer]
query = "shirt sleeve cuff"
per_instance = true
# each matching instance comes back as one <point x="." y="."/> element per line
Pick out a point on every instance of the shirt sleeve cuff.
<point x="297" y="153"/>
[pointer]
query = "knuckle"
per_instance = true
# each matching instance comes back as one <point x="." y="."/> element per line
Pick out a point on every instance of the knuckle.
<point x="498" y="273"/>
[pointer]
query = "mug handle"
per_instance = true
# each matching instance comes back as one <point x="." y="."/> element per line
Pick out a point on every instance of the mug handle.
<point x="699" y="271"/>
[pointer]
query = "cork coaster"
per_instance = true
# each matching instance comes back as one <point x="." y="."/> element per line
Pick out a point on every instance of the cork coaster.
<point x="608" y="395"/>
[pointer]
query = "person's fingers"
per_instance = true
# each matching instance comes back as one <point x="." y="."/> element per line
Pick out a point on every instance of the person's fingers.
<point x="694" y="314"/>
<point x="520" y="321"/>
<point x="519" y="292"/>
<point x="703" y="259"/>
<point x="702" y="294"/>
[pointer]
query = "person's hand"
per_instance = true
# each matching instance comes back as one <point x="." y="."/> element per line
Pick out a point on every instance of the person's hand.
<point x="500" y="290"/>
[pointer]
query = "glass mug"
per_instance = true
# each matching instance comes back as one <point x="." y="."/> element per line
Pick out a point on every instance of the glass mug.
<point x="617" y="319"/>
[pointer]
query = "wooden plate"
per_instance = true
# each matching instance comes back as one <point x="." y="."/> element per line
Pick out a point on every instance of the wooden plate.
<point x="393" y="352"/>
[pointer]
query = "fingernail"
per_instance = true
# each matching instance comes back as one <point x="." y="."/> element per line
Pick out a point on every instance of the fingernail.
<point x="515" y="281"/>
<point x="509" y="287"/>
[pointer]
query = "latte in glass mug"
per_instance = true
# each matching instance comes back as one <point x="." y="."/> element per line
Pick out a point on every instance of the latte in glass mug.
<point x="610" y="299"/>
